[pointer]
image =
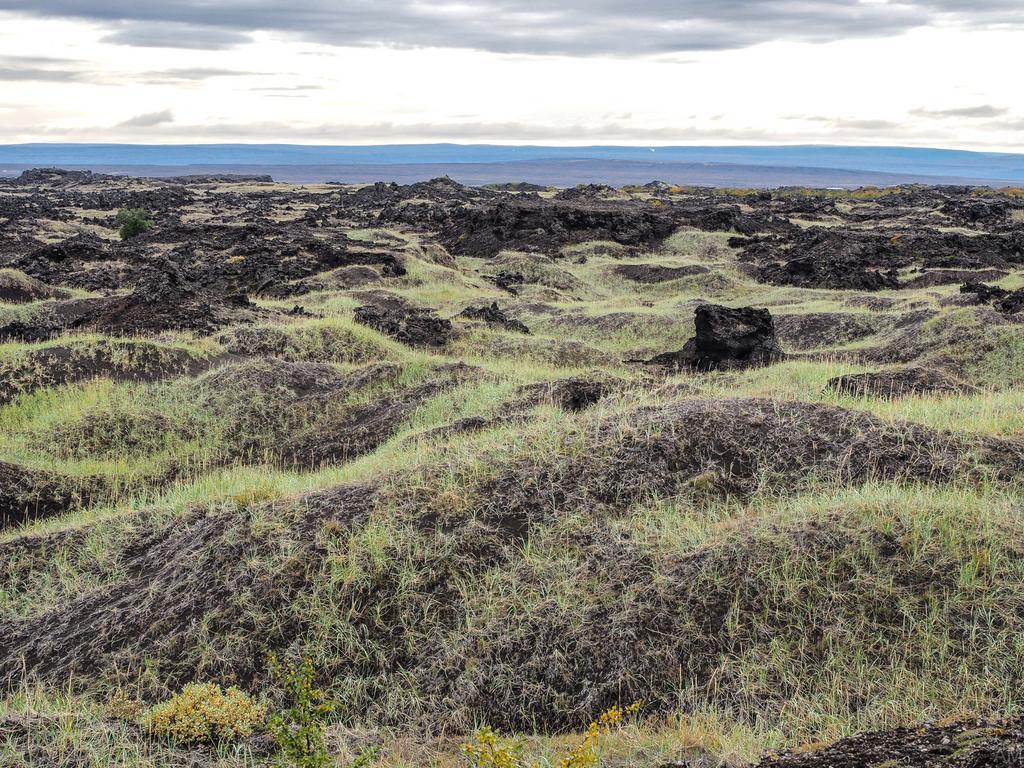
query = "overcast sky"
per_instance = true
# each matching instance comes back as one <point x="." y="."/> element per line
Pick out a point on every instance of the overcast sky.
<point x="918" y="72"/>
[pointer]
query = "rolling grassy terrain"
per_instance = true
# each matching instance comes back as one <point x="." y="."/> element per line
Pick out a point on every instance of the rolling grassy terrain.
<point x="518" y="530"/>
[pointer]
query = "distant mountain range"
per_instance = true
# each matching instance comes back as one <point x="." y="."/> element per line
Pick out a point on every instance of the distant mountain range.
<point x="819" y="166"/>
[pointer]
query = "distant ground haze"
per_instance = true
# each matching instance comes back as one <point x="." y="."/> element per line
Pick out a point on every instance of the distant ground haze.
<point x="814" y="166"/>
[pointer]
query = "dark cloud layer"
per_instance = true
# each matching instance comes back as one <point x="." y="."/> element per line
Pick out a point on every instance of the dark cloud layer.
<point x="166" y="34"/>
<point x="573" y="27"/>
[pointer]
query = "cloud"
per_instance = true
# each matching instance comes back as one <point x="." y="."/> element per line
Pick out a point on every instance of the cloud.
<point x="191" y="74"/>
<point x="166" y="34"/>
<point x="40" y="69"/>
<point x="148" y="120"/>
<point x="284" y="88"/>
<point x="979" y="111"/>
<point x="571" y="27"/>
<point x="384" y="132"/>
<point x="34" y="74"/>
<point x="848" y="123"/>
<point x="200" y="73"/>
<point x="288" y="91"/>
<point x="864" y="125"/>
<point x="1012" y="124"/>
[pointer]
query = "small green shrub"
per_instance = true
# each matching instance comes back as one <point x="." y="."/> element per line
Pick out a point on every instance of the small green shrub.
<point x="299" y="729"/>
<point x="133" y="221"/>
<point x="365" y="758"/>
<point x="203" y="714"/>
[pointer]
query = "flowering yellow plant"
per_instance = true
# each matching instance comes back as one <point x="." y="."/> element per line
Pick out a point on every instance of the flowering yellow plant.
<point x="587" y="752"/>
<point x="203" y="713"/>
<point x="491" y="750"/>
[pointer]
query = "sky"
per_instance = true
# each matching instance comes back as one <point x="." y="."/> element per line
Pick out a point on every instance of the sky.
<point x="942" y="73"/>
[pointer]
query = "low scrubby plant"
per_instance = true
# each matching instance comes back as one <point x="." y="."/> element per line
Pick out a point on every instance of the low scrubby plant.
<point x="133" y="221"/>
<point x="489" y="749"/>
<point x="121" y="705"/>
<point x="299" y="729"/>
<point x="203" y="713"/>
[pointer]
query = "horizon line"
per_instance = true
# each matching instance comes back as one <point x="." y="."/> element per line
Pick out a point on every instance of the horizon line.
<point x="499" y="143"/>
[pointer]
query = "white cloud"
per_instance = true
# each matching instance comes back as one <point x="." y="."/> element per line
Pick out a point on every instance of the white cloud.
<point x="276" y="86"/>
<point x="573" y="27"/>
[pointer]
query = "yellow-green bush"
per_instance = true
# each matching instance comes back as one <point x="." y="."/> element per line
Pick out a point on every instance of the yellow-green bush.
<point x="204" y="713"/>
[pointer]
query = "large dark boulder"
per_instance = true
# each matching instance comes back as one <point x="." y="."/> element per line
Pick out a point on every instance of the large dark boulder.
<point x="727" y="338"/>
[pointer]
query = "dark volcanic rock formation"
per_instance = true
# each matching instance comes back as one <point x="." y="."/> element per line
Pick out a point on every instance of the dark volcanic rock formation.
<point x="491" y="314"/>
<point x="984" y="294"/>
<point x="727" y="338"/>
<point x="532" y="224"/>
<point x="164" y="299"/>
<point x="1007" y="302"/>
<point x="508" y="281"/>
<point x="840" y="258"/>
<point x="409" y="325"/>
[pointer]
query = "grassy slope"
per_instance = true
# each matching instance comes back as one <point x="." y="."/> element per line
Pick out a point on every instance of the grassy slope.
<point x="810" y="653"/>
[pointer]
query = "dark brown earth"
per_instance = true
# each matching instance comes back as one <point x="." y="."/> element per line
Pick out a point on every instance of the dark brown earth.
<point x="76" y="361"/>
<point x="653" y="273"/>
<point x="29" y="494"/>
<point x="824" y="330"/>
<point x="19" y="288"/>
<point x="167" y="581"/>
<point x="362" y="428"/>
<point x="902" y="382"/>
<point x="697" y="447"/>
<point x="963" y="744"/>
